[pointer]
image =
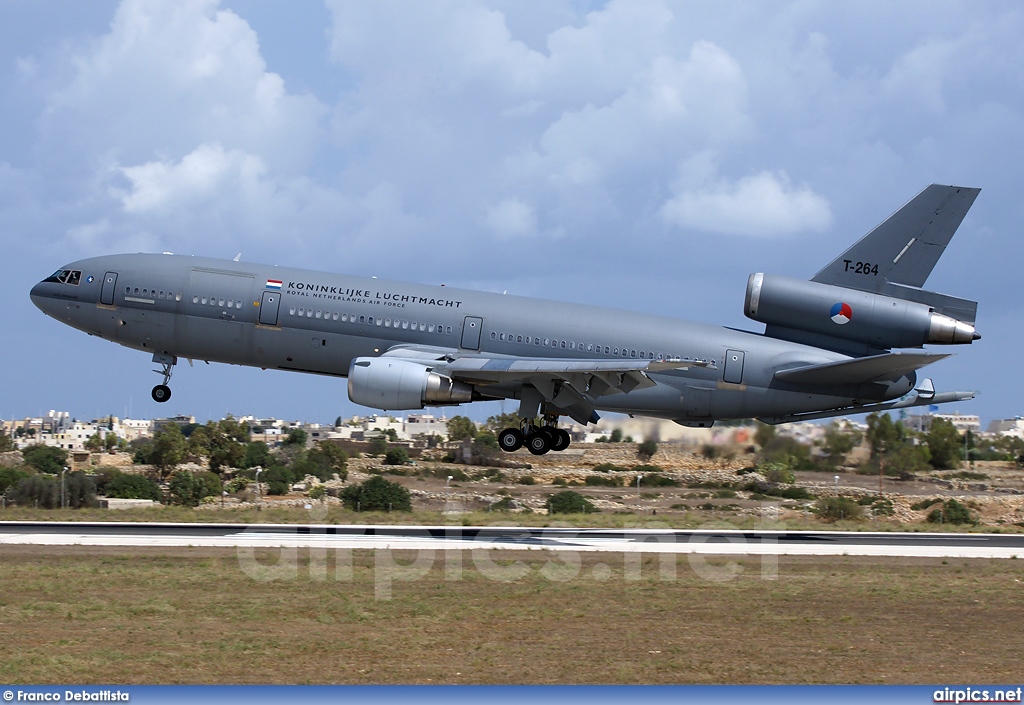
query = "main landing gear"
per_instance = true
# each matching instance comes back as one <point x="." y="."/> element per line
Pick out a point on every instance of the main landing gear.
<point x="537" y="439"/>
<point x="162" y="392"/>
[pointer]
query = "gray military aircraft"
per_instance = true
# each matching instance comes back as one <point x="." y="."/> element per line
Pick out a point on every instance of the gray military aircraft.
<point x="827" y="347"/>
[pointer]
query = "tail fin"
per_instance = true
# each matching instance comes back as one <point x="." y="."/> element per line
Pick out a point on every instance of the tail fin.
<point x="896" y="258"/>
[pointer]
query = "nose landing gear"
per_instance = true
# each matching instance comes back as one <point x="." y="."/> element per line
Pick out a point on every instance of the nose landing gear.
<point x="162" y="392"/>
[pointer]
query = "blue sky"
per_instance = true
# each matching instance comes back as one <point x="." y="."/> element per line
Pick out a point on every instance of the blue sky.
<point x="646" y="155"/>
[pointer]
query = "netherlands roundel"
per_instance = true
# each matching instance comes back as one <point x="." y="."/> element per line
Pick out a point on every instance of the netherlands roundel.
<point x="841" y="313"/>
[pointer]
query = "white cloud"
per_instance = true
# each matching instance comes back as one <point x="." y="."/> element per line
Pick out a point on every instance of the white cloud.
<point x="761" y="205"/>
<point x="511" y="218"/>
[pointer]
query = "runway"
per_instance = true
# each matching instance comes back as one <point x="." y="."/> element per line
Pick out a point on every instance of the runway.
<point x="394" y="537"/>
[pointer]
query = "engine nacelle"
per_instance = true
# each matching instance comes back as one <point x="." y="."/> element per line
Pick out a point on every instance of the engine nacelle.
<point x="850" y="314"/>
<point x="393" y="385"/>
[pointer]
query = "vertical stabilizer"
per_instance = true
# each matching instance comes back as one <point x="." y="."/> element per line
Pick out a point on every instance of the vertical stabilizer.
<point x="904" y="249"/>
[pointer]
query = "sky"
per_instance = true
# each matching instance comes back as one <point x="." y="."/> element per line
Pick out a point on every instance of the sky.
<point x="646" y="155"/>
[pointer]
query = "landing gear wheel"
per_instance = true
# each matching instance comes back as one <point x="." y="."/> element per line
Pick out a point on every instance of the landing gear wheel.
<point x="161" y="393"/>
<point x="561" y="439"/>
<point x="538" y="443"/>
<point x="511" y="439"/>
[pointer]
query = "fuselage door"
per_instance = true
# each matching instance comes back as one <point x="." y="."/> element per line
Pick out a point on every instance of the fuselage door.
<point x="471" y="333"/>
<point x="269" y="307"/>
<point x="107" y="289"/>
<point x="733" y="367"/>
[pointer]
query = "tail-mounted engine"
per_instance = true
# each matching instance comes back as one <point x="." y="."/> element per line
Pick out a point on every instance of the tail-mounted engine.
<point x="849" y="314"/>
<point x="394" y="385"/>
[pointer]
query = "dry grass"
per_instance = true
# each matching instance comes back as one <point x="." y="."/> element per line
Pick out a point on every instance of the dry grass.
<point x="96" y="615"/>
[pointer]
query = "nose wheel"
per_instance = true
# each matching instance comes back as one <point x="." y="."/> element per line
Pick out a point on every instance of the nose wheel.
<point x="162" y="392"/>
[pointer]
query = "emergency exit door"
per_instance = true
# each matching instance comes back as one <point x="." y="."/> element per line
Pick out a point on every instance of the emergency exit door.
<point x="269" y="307"/>
<point x="733" y="366"/>
<point x="471" y="333"/>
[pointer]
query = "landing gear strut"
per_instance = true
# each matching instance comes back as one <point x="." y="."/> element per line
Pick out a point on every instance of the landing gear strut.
<point x="162" y="392"/>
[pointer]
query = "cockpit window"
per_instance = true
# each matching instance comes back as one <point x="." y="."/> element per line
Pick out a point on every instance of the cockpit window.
<point x="66" y="276"/>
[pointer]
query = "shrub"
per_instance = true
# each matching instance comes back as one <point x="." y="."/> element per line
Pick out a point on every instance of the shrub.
<point x="527" y="480"/>
<point x="317" y="492"/>
<point x="777" y="472"/>
<point x="10" y="477"/>
<point x="598" y="481"/>
<point x="378" y="446"/>
<point x="277" y="487"/>
<point x="951" y="512"/>
<point x="396" y="456"/>
<point x="377" y="494"/>
<point x="569" y="502"/>
<point x="925" y="503"/>
<point x="237" y="485"/>
<point x="43" y="490"/>
<point x="185" y="489"/>
<point x="560" y="481"/>
<point x="125" y="486"/>
<point x="45" y="458"/>
<point x="653" y="479"/>
<point x="836" y="508"/>
<point x="608" y="467"/>
<point x="647" y="449"/>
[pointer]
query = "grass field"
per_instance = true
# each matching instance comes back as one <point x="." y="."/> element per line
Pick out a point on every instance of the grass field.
<point x="100" y="615"/>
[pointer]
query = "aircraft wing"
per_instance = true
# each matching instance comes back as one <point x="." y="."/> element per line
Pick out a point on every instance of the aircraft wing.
<point x="572" y="384"/>
<point x="874" y="368"/>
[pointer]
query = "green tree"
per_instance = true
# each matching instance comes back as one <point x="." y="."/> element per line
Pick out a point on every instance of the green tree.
<point x="616" y="436"/>
<point x="10" y="477"/>
<point x="45" y="458"/>
<point x="764" y="433"/>
<point x="257" y="454"/>
<point x="168" y="449"/>
<point x="498" y="423"/>
<point x="647" y="449"/>
<point x="6" y="442"/>
<point x="41" y="490"/>
<point x="132" y="486"/>
<point x="111" y="442"/>
<point x="788" y="451"/>
<point x="569" y="502"/>
<point x="378" y="446"/>
<point x="186" y="489"/>
<point x="460" y="428"/>
<point x="79" y="490"/>
<point x="838" y="443"/>
<point x="377" y="494"/>
<point x="944" y="444"/>
<point x="392" y="434"/>
<point x="396" y="456"/>
<point x="94" y="443"/>
<point x="883" y="434"/>
<point x="296" y="437"/>
<point x="328" y="459"/>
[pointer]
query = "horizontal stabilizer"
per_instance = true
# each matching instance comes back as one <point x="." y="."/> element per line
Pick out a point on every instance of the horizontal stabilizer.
<point x="875" y="368"/>
<point x="907" y="403"/>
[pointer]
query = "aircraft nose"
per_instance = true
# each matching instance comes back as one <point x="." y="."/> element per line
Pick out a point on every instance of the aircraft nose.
<point x="42" y="298"/>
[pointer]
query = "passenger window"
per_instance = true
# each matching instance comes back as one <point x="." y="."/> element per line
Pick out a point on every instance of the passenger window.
<point x="430" y="329"/>
<point x="590" y="346"/>
<point x="221" y="302"/>
<point x="238" y="304"/>
<point x="161" y="295"/>
<point x="319" y="313"/>
<point x="302" y="312"/>
<point x="615" y="351"/>
<point x="536" y="341"/>
<point x="291" y="311"/>
<point x="572" y="346"/>
<point x="501" y="337"/>
<point x="423" y="326"/>
<point x="195" y="300"/>
<point x="494" y="335"/>
<point x="204" y="300"/>
<point x="546" y="341"/>
<point x="632" y="353"/>
<point x="231" y="304"/>
<point x="387" y="323"/>
<point x="127" y="290"/>
<point x="362" y="319"/>
<point x="334" y="316"/>
<point x="448" y="330"/>
<point x="562" y="345"/>
<point x="177" y="297"/>
<point x="379" y="322"/>
<point x="136" y="291"/>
